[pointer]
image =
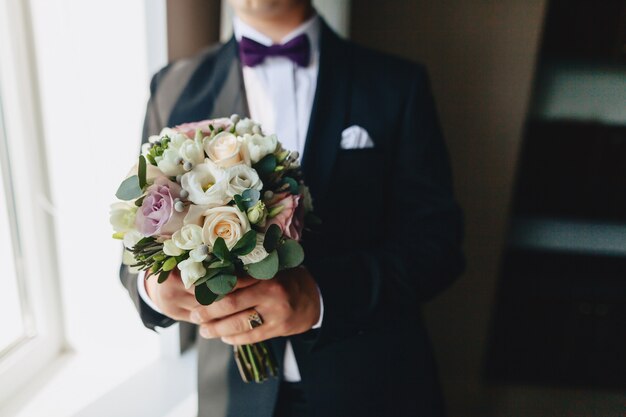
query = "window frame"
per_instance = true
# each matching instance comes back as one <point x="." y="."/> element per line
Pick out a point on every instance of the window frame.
<point x="36" y="256"/>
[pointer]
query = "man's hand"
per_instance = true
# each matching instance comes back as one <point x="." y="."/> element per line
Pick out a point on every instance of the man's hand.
<point x="172" y="298"/>
<point x="289" y="304"/>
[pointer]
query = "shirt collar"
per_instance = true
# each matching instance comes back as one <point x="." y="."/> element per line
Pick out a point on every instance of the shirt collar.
<point x="311" y="28"/>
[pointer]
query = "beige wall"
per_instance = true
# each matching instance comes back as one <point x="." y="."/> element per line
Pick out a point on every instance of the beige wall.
<point x="481" y="57"/>
<point x="191" y="26"/>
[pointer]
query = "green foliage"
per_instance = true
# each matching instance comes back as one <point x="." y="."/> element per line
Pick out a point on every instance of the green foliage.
<point x="209" y="274"/>
<point x="169" y="264"/>
<point x="204" y="295"/>
<point x="221" y="264"/>
<point x="265" y="269"/>
<point x="293" y="185"/>
<point x="290" y="254"/>
<point x="246" y="244"/>
<point x="250" y="197"/>
<point x="163" y="276"/>
<point x="139" y="201"/>
<point x="266" y="166"/>
<point x="220" y="249"/>
<point x="222" y="283"/>
<point x="239" y="202"/>
<point x="157" y="149"/>
<point x="272" y="237"/>
<point x="141" y="172"/>
<point x="129" y="189"/>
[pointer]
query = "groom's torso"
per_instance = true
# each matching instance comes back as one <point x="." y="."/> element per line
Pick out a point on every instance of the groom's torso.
<point x="392" y="362"/>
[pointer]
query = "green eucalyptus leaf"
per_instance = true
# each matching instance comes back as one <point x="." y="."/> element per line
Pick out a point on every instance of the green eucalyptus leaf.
<point x="129" y="189"/>
<point x="209" y="274"/>
<point x="293" y="185"/>
<point x="220" y="249"/>
<point x="222" y="283"/>
<point x="290" y="254"/>
<point x="272" y="237"/>
<point x="265" y="269"/>
<point x="246" y="244"/>
<point x="141" y="172"/>
<point x="266" y="165"/>
<point x="204" y="295"/>
<point x="169" y="264"/>
<point x="163" y="276"/>
<point x="239" y="202"/>
<point x="220" y="264"/>
<point x="250" y="197"/>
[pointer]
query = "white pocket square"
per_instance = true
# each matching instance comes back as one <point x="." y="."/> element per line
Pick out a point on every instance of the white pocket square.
<point x="355" y="137"/>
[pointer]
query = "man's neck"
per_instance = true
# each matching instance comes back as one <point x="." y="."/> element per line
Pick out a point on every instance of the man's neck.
<point x="277" y="27"/>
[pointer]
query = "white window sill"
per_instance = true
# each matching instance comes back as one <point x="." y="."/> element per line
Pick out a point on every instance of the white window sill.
<point x="83" y="386"/>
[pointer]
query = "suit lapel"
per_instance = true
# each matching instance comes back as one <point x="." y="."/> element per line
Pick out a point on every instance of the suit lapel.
<point x="215" y="89"/>
<point x="329" y="116"/>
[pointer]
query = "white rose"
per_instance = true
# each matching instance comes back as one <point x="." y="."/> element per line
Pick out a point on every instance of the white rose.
<point x="247" y="126"/>
<point x="170" y="248"/>
<point x="188" y="237"/>
<point x="240" y="178"/>
<point x="258" y="253"/>
<point x="226" y="222"/>
<point x="171" y="160"/>
<point x="258" y="146"/>
<point x="192" y="151"/>
<point x="206" y="184"/>
<point x="122" y="216"/>
<point x="191" y="271"/>
<point x="224" y="149"/>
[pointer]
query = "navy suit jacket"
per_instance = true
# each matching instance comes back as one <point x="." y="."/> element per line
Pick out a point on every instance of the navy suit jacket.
<point x="390" y="239"/>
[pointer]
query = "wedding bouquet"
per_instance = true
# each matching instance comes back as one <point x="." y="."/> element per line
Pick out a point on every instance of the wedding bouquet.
<point x="215" y="199"/>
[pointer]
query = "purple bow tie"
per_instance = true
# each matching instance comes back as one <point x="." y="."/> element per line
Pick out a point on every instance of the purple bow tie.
<point x="253" y="53"/>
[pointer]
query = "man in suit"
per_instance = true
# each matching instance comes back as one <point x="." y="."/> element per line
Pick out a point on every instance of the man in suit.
<point x="346" y="327"/>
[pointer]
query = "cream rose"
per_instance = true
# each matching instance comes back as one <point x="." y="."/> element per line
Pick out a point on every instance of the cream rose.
<point x="226" y="222"/>
<point x="242" y="177"/>
<point x="188" y="237"/>
<point x="206" y="184"/>
<point x="224" y="149"/>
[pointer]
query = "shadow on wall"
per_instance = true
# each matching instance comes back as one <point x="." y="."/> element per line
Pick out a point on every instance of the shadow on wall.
<point x="481" y="57"/>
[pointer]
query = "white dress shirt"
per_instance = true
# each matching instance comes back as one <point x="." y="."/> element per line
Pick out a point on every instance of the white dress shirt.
<point x="280" y="97"/>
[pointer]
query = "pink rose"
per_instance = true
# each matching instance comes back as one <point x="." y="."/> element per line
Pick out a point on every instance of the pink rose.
<point x="189" y="129"/>
<point x="157" y="216"/>
<point x="291" y="218"/>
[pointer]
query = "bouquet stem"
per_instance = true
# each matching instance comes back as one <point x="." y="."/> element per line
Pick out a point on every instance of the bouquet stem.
<point x="255" y="362"/>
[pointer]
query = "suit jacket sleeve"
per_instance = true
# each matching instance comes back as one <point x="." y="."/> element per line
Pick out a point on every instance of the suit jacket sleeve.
<point x="151" y="319"/>
<point x="420" y="253"/>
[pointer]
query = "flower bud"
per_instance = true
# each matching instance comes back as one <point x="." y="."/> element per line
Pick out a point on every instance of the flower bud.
<point x="187" y="166"/>
<point x="179" y="206"/>
<point x="256" y="130"/>
<point x="234" y="118"/>
<point x="257" y="213"/>
<point x="184" y="193"/>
